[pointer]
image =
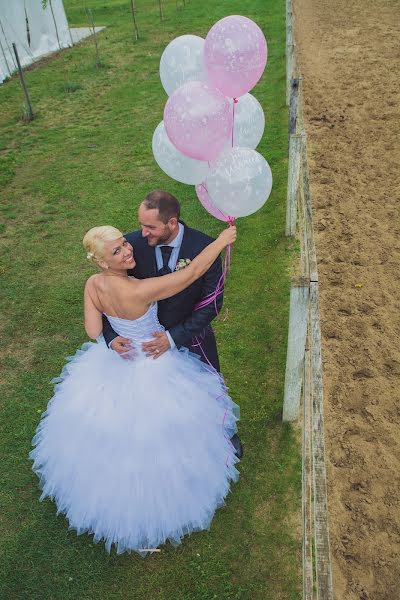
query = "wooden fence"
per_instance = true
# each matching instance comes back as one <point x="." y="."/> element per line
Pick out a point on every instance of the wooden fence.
<point x="303" y="380"/>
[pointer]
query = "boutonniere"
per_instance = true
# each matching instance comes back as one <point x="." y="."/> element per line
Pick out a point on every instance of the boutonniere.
<point x="182" y="263"/>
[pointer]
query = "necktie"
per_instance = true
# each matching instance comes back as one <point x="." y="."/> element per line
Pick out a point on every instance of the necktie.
<point x="165" y="253"/>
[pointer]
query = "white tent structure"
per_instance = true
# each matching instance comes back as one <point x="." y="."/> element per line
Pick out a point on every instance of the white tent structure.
<point x="34" y="30"/>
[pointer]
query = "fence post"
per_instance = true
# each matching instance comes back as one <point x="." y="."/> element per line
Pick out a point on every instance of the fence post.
<point x="23" y="84"/>
<point x="289" y="62"/>
<point x="300" y="116"/>
<point x="293" y="105"/>
<point x="55" y="24"/>
<point x="133" y="9"/>
<point x="295" y="150"/>
<point x="322" y="546"/>
<point x="298" y="318"/>
<point x="98" y="64"/>
<point x="308" y="220"/>
<point x="290" y="58"/>
<point x="5" y="58"/>
<point x="307" y="478"/>
<point x="8" y="45"/>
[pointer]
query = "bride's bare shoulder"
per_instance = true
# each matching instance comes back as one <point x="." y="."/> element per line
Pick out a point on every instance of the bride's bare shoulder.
<point x="93" y="281"/>
<point x="96" y="284"/>
<point x="103" y="283"/>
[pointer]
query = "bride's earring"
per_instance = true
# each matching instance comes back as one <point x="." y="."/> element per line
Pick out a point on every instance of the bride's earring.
<point x="104" y="265"/>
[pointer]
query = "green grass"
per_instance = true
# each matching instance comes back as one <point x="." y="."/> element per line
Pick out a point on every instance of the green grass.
<point x="86" y="160"/>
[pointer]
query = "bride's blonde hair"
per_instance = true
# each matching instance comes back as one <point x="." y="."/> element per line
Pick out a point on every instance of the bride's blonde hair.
<point x="93" y="242"/>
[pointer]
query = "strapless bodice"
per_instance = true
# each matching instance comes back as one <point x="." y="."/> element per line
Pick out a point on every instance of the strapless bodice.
<point x="138" y="330"/>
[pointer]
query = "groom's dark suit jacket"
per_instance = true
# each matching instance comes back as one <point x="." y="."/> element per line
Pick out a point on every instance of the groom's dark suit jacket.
<point x="176" y="313"/>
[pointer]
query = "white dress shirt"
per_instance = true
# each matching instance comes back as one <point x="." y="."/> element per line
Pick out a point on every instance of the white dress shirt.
<point x="173" y="259"/>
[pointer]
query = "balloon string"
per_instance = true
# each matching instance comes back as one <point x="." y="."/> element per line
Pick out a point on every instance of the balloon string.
<point x="235" y="101"/>
<point x="198" y="344"/>
<point x="213" y="296"/>
<point x="233" y="119"/>
<point x="227" y="260"/>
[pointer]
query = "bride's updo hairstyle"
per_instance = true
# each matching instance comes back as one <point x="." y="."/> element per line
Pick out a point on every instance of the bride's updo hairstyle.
<point x="93" y="242"/>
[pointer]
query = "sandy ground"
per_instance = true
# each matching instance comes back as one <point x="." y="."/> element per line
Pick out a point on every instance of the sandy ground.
<point x="349" y="53"/>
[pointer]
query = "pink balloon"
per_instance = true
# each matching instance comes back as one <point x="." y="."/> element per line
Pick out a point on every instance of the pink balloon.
<point x="235" y="55"/>
<point x="198" y="120"/>
<point x="206" y="201"/>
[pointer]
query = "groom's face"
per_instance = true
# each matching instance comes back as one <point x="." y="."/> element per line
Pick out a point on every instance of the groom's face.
<point x="153" y="229"/>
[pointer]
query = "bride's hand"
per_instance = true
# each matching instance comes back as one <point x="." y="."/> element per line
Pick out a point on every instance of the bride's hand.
<point x="228" y="236"/>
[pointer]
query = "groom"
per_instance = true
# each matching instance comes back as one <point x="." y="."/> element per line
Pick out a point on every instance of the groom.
<point x="163" y="243"/>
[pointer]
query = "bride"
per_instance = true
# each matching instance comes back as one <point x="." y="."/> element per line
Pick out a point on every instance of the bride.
<point x="137" y="451"/>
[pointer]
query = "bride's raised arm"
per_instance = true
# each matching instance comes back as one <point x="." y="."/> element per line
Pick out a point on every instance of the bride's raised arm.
<point x="158" y="288"/>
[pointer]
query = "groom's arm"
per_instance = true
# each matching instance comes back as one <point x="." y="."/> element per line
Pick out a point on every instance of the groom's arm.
<point x="184" y="332"/>
<point x="108" y="332"/>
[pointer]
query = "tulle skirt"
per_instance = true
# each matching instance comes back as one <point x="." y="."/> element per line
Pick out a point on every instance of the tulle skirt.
<point x="136" y="452"/>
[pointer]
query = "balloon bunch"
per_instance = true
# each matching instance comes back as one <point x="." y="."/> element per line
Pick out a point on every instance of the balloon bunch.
<point x="212" y="125"/>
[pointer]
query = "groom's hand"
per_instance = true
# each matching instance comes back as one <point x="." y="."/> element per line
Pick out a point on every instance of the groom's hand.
<point x="122" y="345"/>
<point x="158" y="346"/>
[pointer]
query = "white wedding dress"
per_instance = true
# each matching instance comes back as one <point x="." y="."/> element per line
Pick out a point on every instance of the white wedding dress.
<point x="137" y="451"/>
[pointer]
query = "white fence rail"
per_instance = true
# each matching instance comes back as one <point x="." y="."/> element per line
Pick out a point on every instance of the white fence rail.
<point x="303" y="378"/>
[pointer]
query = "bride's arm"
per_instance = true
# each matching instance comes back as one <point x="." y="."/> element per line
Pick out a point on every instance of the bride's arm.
<point x="158" y="288"/>
<point x="93" y="316"/>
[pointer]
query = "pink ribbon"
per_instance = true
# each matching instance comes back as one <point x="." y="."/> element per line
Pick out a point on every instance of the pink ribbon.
<point x="198" y="345"/>
<point x="212" y="297"/>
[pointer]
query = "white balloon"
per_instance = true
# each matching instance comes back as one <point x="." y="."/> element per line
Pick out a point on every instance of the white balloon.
<point x="181" y="62"/>
<point x="174" y="163"/>
<point x="239" y="182"/>
<point x="249" y="122"/>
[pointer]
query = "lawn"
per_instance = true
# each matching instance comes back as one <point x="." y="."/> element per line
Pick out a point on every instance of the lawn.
<point x="86" y="160"/>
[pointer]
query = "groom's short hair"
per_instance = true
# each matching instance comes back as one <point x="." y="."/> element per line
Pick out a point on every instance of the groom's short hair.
<point x="166" y="204"/>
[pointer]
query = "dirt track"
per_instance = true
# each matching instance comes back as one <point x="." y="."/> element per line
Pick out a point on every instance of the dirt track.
<point x="349" y="53"/>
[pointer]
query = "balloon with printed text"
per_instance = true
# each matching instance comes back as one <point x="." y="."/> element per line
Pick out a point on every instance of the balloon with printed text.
<point x="198" y="120"/>
<point x="235" y="55"/>
<point x="239" y="182"/>
<point x="174" y="163"/>
<point x="207" y="203"/>
<point x="182" y="61"/>
<point x="249" y="122"/>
